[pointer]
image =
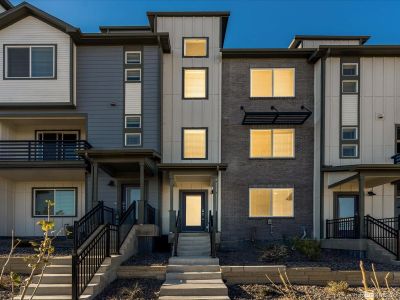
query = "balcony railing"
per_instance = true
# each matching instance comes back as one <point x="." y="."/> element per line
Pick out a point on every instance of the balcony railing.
<point x="343" y="228"/>
<point x="396" y="158"/>
<point x="61" y="150"/>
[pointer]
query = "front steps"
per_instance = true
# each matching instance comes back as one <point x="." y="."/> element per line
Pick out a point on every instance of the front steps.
<point x="380" y="255"/>
<point x="194" y="244"/>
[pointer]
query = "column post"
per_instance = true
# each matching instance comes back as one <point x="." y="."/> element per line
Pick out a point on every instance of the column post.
<point x="172" y="213"/>
<point x="142" y="206"/>
<point x="215" y="201"/>
<point x="95" y="182"/>
<point x="361" y="204"/>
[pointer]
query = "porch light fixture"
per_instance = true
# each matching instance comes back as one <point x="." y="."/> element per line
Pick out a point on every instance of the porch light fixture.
<point x="371" y="193"/>
<point x="111" y="183"/>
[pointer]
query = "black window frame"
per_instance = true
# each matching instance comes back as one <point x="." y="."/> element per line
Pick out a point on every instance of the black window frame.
<point x="183" y="142"/>
<point x="196" y="38"/>
<point x="75" y="189"/>
<point x="183" y="83"/>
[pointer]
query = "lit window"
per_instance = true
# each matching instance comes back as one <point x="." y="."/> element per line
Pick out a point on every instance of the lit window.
<point x="194" y="143"/>
<point x="349" y="133"/>
<point x="350" y="69"/>
<point x="30" y="62"/>
<point x="267" y="143"/>
<point x="194" y="83"/>
<point x="265" y="202"/>
<point x="349" y="151"/>
<point x="133" y="139"/>
<point x="278" y="82"/>
<point x="133" y="57"/>
<point x="133" y="75"/>
<point x="64" y="202"/>
<point x="195" y="47"/>
<point x="133" y="122"/>
<point x="350" y="86"/>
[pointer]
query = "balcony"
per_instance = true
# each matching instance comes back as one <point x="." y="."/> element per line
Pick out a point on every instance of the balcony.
<point x="36" y="151"/>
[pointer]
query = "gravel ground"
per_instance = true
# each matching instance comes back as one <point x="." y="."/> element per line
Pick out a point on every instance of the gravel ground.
<point x="148" y="259"/>
<point x="128" y="289"/>
<point x="334" y="259"/>
<point x="62" y="247"/>
<point x="5" y="288"/>
<point x="259" y="291"/>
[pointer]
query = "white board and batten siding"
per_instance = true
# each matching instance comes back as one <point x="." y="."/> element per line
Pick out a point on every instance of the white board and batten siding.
<point x="30" y="31"/>
<point x="317" y="43"/>
<point x="133" y="98"/>
<point x="379" y="110"/>
<point x="178" y="113"/>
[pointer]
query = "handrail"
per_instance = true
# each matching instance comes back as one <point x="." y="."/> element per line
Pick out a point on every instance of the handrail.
<point x="342" y="228"/>
<point x="392" y="222"/>
<point x="126" y="223"/>
<point x="45" y="150"/>
<point x="396" y="158"/>
<point x="211" y="230"/>
<point x="382" y="234"/>
<point x="176" y="235"/>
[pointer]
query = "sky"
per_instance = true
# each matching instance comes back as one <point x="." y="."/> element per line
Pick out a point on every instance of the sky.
<point x="252" y="24"/>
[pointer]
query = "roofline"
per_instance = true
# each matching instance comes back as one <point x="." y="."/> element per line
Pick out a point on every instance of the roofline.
<point x="106" y="29"/>
<point x="298" y="38"/>
<point x="266" y="53"/>
<point x="6" y="4"/>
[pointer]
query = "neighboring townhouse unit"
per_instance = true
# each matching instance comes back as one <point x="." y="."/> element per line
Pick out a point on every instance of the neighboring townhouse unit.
<point x="5" y="5"/>
<point x="267" y="142"/>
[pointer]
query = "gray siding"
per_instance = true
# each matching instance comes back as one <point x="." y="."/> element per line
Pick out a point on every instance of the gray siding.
<point x="100" y="83"/>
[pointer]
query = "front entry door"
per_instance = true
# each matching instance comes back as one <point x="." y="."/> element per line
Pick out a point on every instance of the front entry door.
<point x="347" y="207"/>
<point x="130" y="194"/>
<point x="193" y="211"/>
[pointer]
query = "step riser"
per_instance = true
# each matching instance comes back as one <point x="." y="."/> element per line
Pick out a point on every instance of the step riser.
<point x="193" y="268"/>
<point x="193" y="261"/>
<point x="199" y="276"/>
<point x="41" y="291"/>
<point x="58" y="270"/>
<point x="53" y="280"/>
<point x="193" y="253"/>
<point x="195" y="292"/>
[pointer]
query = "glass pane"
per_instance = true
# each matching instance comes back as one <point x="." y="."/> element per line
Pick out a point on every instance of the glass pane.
<point x="349" y="69"/>
<point x="194" y="143"/>
<point x="283" y="203"/>
<point x="195" y="47"/>
<point x="65" y="203"/>
<point x="195" y="83"/>
<point x="133" y="57"/>
<point x="261" y="83"/>
<point x="132" y="122"/>
<point x="41" y="196"/>
<point x="349" y="150"/>
<point x="133" y="139"/>
<point x="349" y="133"/>
<point x="133" y="75"/>
<point x="193" y="210"/>
<point x="283" y="82"/>
<point x="42" y="62"/>
<point x="260" y="202"/>
<point x="260" y="143"/>
<point x="349" y="86"/>
<point x="283" y="143"/>
<point x="346" y="206"/>
<point x="18" y="62"/>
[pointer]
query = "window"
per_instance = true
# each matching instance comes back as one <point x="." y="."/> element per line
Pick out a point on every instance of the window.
<point x="266" y="202"/>
<point x="195" y="83"/>
<point x="350" y="69"/>
<point x="398" y="141"/>
<point x="133" y="139"/>
<point x="277" y="82"/>
<point x="133" y="75"/>
<point x="195" y="47"/>
<point x="349" y="133"/>
<point x="64" y="202"/>
<point x="133" y="57"/>
<point x="350" y="86"/>
<point x="133" y="122"/>
<point x="30" y="62"/>
<point x="349" y="150"/>
<point x="271" y="143"/>
<point x="194" y="143"/>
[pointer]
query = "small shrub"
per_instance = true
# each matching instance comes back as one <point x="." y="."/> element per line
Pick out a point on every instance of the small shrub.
<point x="274" y="253"/>
<point x="131" y="293"/>
<point x="310" y="248"/>
<point x="337" y="287"/>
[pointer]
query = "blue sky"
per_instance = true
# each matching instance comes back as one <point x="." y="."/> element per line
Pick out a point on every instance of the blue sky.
<point x="253" y="23"/>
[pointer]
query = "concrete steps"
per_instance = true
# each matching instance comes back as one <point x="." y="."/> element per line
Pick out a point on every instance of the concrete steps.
<point x="380" y="255"/>
<point x="194" y="244"/>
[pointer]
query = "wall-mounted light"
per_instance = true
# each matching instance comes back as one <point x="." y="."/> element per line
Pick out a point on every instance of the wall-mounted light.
<point x="111" y="183"/>
<point x="371" y="193"/>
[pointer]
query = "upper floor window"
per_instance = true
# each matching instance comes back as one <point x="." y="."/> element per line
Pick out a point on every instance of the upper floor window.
<point x="133" y="122"/>
<point x="194" y="144"/>
<point x="195" y="47"/>
<point x="30" y="62"/>
<point x="350" y="86"/>
<point x="271" y="143"/>
<point x="350" y="69"/>
<point x="133" y="57"/>
<point x="195" y="83"/>
<point x="277" y="82"/>
<point x="133" y="75"/>
<point x="133" y="139"/>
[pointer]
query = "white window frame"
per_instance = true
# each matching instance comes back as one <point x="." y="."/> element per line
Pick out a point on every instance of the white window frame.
<point x="272" y="201"/>
<point x="355" y="139"/>
<point x="350" y="93"/>
<point x="344" y="156"/>
<point x="133" y="116"/>
<point x="129" y="52"/>
<point x="133" y="69"/>
<point x="30" y="61"/>
<point x="350" y="64"/>
<point x="273" y="81"/>
<point x="272" y="144"/>
<point x="55" y="200"/>
<point x="133" y="133"/>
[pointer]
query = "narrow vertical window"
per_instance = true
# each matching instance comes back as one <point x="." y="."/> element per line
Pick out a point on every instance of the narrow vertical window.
<point x="194" y="143"/>
<point x="195" y="47"/>
<point x="195" y="83"/>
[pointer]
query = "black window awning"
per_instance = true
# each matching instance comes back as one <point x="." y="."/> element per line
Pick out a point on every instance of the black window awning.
<point x="276" y="117"/>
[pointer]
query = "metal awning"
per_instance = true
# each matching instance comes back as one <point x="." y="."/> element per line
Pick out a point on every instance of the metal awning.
<point x="276" y="117"/>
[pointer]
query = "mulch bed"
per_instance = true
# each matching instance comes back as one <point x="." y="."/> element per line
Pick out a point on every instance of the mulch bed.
<point x="62" y="247"/>
<point x="334" y="259"/>
<point x="148" y="259"/>
<point x="127" y="289"/>
<point x="5" y="288"/>
<point x="263" y="292"/>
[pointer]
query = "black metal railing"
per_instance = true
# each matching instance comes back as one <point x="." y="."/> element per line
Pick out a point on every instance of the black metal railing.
<point x="42" y="150"/>
<point x="382" y="234"/>
<point x="87" y="262"/>
<point x="150" y="214"/>
<point x="212" y="231"/>
<point x="343" y="228"/>
<point x="396" y="158"/>
<point x="85" y="227"/>
<point x="176" y="234"/>
<point x="392" y="222"/>
<point x="126" y="223"/>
